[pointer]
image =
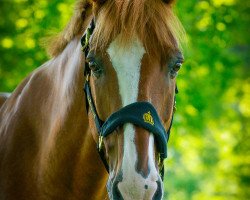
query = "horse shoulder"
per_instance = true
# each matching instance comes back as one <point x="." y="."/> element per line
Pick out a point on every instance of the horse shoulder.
<point x="20" y="118"/>
<point x="25" y="96"/>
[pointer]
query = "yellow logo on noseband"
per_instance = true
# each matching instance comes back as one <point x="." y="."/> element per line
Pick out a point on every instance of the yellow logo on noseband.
<point x="147" y="117"/>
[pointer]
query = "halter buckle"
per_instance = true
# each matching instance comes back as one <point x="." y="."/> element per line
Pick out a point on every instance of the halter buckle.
<point x="87" y="78"/>
<point x="100" y="143"/>
<point x="175" y="108"/>
<point x="160" y="162"/>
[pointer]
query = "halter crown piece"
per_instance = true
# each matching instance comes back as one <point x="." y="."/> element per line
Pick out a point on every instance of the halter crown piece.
<point x="142" y="114"/>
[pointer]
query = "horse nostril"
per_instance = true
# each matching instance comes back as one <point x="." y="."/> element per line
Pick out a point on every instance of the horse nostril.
<point x="112" y="186"/>
<point x="158" y="193"/>
<point x="116" y="194"/>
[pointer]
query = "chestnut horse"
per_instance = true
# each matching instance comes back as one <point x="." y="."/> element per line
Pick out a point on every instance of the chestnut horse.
<point x="49" y="128"/>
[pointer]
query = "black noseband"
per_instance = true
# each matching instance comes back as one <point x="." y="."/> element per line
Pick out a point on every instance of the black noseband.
<point x="142" y="114"/>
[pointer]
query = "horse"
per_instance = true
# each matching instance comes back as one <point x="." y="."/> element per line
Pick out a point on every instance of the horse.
<point x="93" y="122"/>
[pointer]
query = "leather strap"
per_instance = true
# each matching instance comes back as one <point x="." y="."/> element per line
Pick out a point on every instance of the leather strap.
<point x="142" y="114"/>
<point x="98" y="121"/>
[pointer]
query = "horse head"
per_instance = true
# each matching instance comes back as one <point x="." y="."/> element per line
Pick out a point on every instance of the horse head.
<point x="132" y="59"/>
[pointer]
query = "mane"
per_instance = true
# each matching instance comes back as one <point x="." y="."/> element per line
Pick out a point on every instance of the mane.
<point x="152" y="21"/>
<point x="56" y="44"/>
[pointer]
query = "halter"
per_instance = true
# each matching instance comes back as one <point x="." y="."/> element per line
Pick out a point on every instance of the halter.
<point x="142" y="114"/>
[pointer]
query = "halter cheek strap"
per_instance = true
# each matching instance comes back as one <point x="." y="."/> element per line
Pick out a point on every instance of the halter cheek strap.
<point x="90" y="104"/>
<point x="98" y="122"/>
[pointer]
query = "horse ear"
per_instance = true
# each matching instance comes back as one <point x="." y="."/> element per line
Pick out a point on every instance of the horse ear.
<point x="168" y="1"/>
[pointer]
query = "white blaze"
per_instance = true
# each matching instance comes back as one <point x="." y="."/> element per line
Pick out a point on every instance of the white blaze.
<point x="127" y="64"/>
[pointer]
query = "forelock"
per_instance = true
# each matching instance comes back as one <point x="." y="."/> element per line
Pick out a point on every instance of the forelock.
<point x="152" y="21"/>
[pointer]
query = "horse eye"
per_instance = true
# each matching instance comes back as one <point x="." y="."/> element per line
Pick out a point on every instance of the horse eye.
<point x="95" y="68"/>
<point x="92" y="65"/>
<point x="174" y="69"/>
<point x="177" y="66"/>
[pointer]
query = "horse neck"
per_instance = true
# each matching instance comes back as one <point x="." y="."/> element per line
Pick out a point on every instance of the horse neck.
<point x="69" y="133"/>
<point x="67" y="69"/>
<point x="65" y="102"/>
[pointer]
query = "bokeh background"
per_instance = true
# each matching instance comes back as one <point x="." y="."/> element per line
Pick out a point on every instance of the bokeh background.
<point x="209" y="154"/>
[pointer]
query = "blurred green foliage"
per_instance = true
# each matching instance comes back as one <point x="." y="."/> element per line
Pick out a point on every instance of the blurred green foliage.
<point x="209" y="156"/>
